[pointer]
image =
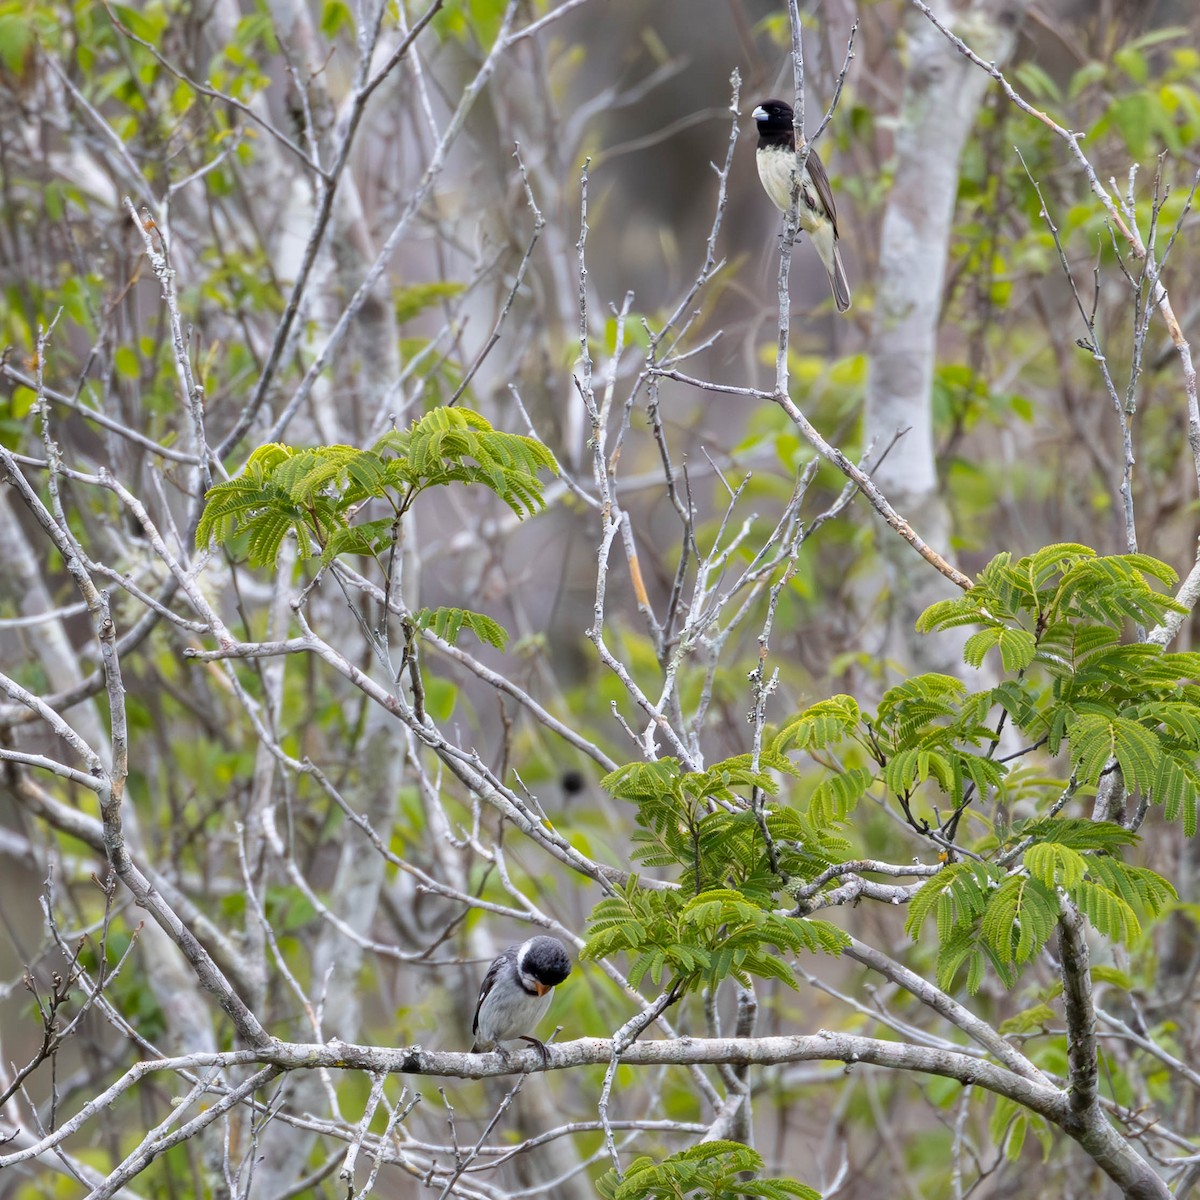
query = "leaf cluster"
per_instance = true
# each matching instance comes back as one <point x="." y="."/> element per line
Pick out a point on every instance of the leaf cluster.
<point x="1064" y="609"/>
<point x="1074" y="687"/>
<point x="734" y="855"/>
<point x="709" y="1171"/>
<point x="316" y="494"/>
<point x="1078" y="690"/>
<point x="1058" y="620"/>
<point x="720" y="826"/>
<point x="926" y="729"/>
<point x="448" y="623"/>
<point x="989" y="912"/>
<point x="700" y="940"/>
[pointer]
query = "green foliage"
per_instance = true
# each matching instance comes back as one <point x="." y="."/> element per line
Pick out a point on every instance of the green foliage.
<point x="708" y="1171"/>
<point x="1030" y="1020"/>
<point x="1004" y="915"/>
<point x="721" y="917"/>
<point x="963" y="398"/>
<point x="316" y="493"/>
<point x="16" y="40"/>
<point x="1077" y="690"/>
<point x="822" y="724"/>
<point x="1155" y="105"/>
<point x="1074" y="687"/>
<point x="925" y="729"/>
<point x="1048" y="591"/>
<point x="1129" y="704"/>
<point x="702" y="821"/>
<point x="469" y="20"/>
<point x="1010" y="1123"/>
<point x="699" y="940"/>
<point x="336" y="15"/>
<point x="448" y="623"/>
<point x="416" y="298"/>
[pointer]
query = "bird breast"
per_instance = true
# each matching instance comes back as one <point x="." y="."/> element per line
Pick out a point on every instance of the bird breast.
<point x="776" y="170"/>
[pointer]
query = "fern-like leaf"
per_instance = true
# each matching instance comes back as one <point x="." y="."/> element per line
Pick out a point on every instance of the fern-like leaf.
<point x="837" y="795"/>
<point x="1017" y="647"/>
<point x="448" y="623"/>
<point x="1096" y="738"/>
<point x="1055" y="865"/>
<point x="826" y="723"/>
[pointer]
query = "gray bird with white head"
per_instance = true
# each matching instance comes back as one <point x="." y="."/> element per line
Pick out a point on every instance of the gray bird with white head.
<point x="776" y="158"/>
<point x="516" y="992"/>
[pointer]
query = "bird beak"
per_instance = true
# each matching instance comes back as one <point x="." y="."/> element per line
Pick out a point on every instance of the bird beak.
<point x="759" y="114"/>
<point x="540" y="988"/>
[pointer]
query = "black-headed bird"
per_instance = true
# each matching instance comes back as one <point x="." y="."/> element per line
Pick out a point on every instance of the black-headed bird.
<point x="776" y="157"/>
<point x="516" y="991"/>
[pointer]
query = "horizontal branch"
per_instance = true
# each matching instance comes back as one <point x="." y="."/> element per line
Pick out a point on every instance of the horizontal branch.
<point x="946" y="1007"/>
<point x="1045" y="1100"/>
<point x="94" y="415"/>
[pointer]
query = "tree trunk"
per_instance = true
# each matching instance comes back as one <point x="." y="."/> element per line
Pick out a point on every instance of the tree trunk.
<point x="942" y="95"/>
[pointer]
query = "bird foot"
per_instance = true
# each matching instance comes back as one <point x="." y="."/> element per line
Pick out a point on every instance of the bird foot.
<point x="541" y="1049"/>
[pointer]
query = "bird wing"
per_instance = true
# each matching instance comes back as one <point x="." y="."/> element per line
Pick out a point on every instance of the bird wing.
<point x="489" y="982"/>
<point x="816" y="172"/>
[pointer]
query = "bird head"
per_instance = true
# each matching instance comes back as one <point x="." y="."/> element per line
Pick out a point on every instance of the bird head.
<point x="543" y="962"/>
<point x="774" y="118"/>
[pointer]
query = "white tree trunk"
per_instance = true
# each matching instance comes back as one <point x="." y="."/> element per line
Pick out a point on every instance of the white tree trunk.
<point x="942" y="95"/>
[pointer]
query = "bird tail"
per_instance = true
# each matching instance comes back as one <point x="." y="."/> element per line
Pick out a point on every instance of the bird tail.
<point x="837" y="280"/>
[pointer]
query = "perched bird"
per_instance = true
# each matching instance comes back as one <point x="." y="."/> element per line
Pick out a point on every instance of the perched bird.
<point x="516" y="992"/>
<point x="776" y="158"/>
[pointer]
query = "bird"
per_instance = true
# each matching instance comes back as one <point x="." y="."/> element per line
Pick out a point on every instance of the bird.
<point x="776" y="158"/>
<point x="516" y="991"/>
